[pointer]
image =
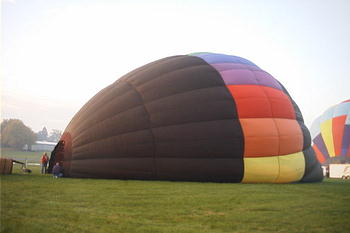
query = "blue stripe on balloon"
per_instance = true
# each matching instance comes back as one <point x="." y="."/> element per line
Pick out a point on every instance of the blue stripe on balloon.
<point x="214" y="58"/>
<point x="346" y="141"/>
<point x="342" y="109"/>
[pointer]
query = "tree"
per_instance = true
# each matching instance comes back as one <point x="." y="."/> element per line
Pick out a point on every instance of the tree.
<point x="55" y="135"/>
<point x="15" y="134"/>
<point x="42" y="135"/>
<point x="4" y="124"/>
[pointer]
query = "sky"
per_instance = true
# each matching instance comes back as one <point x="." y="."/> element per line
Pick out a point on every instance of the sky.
<point x="57" y="54"/>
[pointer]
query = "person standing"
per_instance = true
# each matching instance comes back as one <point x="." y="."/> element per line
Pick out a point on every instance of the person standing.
<point x="44" y="161"/>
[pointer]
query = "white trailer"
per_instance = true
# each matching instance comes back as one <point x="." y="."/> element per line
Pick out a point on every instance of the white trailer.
<point x="339" y="171"/>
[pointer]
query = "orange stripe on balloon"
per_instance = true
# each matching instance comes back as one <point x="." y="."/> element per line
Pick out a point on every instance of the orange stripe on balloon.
<point x="268" y="121"/>
<point x="290" y="136"/>
<point x="260" y="137"/>
<point x="271" y="137"/>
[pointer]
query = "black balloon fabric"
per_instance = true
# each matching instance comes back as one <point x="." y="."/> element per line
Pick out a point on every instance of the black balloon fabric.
<point x="178" y="119"/>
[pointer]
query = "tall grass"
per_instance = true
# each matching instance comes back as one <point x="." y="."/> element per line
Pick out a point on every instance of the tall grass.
<point x="40" y="203"/>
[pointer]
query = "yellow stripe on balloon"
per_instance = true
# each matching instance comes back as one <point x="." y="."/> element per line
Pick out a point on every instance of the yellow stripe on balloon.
<point x="327" y="135"/>
<point x="292" y="168"/>
<point x="260" y="169"/>
<point x="274" y="169"/>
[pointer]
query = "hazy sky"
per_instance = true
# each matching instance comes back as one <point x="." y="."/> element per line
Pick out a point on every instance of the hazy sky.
<point x="56" y="54"/>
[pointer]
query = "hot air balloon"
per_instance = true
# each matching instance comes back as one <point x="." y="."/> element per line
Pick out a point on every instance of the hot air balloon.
<point x="331" y="134"/>
<point x="197" y="117"/>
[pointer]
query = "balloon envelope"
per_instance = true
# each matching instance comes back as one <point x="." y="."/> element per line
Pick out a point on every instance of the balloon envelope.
<point x="331" y="134"/>
<point x="197" y="117"/>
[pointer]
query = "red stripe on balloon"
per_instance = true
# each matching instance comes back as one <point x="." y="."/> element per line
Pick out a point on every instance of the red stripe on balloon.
<point x="255" y="101"/>
<point x="319" y="155"/>
<point x="338" y="132"/>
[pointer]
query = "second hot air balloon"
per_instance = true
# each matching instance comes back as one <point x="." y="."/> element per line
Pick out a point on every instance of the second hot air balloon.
<point x="331" y="134"/>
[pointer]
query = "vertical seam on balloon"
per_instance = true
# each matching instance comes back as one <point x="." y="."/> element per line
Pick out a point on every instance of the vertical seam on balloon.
<point x="240" y="125"/>
<point x="274" y="121"/>
<point x="284" y="90"/>
<point x="301" y="129"/>
<point x="305" y="165"/>
<point x="150" y="128"/>
<point x="279" y="169"/>
<point x="279" y="149"/>
<point x="278" y="131"/>
<point x="272" y="115"/>
<point x="267" y="97"/>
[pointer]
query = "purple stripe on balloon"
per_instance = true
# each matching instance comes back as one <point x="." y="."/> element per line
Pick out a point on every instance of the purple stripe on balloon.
<point x="266" y="79"/>
<point x="213" y="58"/>
<point x="318" y="140"/>
<point x="238" y="77"/>
<point x="346" y="141"/>
<point x="232" y="75"/>
<point x="230" y="66"/>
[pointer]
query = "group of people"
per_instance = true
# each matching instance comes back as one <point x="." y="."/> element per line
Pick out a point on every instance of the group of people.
<point x="57" y="170"/>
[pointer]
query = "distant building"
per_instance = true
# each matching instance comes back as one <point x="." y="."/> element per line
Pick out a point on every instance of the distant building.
<point x="41" y="146"/>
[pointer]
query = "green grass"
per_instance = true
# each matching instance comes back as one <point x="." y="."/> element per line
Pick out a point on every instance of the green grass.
<point x="40" y="203"/>
<point x="30" y="156"/>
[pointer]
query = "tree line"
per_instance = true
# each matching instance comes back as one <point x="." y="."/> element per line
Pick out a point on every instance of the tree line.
<point x="15" y="134"/>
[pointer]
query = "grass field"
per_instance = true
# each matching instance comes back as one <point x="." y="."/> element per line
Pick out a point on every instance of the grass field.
<point x="40" y="203"/>
<point x="30" y="156"/>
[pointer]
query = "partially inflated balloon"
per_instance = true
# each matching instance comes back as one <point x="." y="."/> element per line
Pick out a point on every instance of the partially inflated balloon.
<point x="331" y="133"/>
<point x="198" y="117"/>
